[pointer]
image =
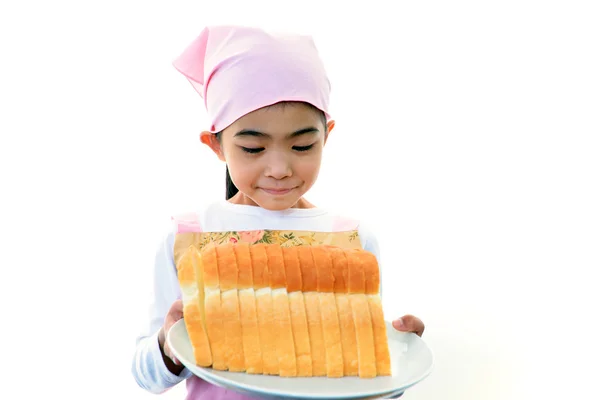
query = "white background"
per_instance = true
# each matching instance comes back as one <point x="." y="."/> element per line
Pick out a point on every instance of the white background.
<point x="467" y="135"/>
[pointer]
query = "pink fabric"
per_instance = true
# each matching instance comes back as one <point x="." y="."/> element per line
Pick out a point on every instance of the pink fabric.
<point x="237" y="70"/>
<point x="342" y="224"/>
<point x="199" y="389"/>
<point x="189" y="222"/>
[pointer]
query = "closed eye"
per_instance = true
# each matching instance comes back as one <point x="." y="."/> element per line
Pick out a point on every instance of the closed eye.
<point x="303" y="148"/>
<point x="252" y="150"/>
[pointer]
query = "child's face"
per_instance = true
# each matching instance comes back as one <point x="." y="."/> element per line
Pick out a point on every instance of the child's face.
<point x="273" y="154"/>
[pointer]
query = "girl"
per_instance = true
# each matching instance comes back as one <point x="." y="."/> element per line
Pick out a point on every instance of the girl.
<point x="267" y="99"/>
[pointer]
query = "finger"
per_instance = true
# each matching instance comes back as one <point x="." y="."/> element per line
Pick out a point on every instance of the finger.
<point x="175" y="360"/>
<point x="174" y="315"/>
<point x="171" y="355"/>
<point x="176" y="311"/>
<point x="178" y="305"/>
<point x="409" y="323"/>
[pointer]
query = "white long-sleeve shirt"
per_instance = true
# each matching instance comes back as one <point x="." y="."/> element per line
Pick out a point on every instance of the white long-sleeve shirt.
<point x="148" y="367"/>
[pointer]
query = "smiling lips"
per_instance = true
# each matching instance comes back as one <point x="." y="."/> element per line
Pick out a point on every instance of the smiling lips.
<point x="277" y="192"/>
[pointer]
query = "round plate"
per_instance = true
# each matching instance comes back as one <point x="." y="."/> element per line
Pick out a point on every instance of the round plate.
<point x="411" y="361"/>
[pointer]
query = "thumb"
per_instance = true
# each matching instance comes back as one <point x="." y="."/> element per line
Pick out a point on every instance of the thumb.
<point x="409" y="323"/>
<point x="399" y="324"/>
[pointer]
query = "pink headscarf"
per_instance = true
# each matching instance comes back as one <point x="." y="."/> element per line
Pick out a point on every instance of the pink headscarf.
<point x="237" y="70"/>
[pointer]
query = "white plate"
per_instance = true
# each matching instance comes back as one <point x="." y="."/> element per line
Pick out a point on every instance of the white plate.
<point x="412" y="361"/>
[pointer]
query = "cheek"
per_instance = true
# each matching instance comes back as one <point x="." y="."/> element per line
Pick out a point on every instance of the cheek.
<point x="242" y="172"/>
<point x="308" y="166"/>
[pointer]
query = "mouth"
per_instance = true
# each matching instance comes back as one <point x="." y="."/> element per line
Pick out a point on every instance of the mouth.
<point x="277" y="192"/>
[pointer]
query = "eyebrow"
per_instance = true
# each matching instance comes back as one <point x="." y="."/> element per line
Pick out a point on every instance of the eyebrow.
<point x="303" y="131"/>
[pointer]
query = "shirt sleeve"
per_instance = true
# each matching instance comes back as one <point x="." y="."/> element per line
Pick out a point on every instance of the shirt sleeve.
<point x="148" y="367"/>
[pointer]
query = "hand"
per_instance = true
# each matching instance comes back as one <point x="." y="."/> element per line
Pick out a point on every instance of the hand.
<point x="409" y="323"/>
<point x="175" y="314"/>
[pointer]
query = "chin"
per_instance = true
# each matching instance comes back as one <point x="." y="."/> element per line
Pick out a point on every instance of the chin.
<point x="276" y="204"/>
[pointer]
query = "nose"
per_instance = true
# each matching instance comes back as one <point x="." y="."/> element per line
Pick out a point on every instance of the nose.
<point x="279" y="166"/>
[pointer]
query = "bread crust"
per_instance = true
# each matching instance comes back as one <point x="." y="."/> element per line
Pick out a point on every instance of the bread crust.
<point x="287" y="311"/>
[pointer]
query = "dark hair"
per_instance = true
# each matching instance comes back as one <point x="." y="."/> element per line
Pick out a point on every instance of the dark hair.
<point x="230" y="189"/>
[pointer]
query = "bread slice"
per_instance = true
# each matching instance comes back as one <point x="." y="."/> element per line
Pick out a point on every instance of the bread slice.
<point x="297" y="311"/>
<point x="284" y="340"/>
<point x="313" y="310"/>
<point x="248" y="315"/>
<point x="230" y="308"/>
<point x="287" y="311"/>
<point x="364" y="336"/>
<point x="348" y="334"/>
<point x="368" y="263"/>
<point x="190" y="270"/>
<point x="380" y="340"/>
<point x="329" y="314"/>
<point x="344" y="309"/>
<point x="362" y="316"/>
<point x="264" y="309"/>
<point x="212" y="308"/>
